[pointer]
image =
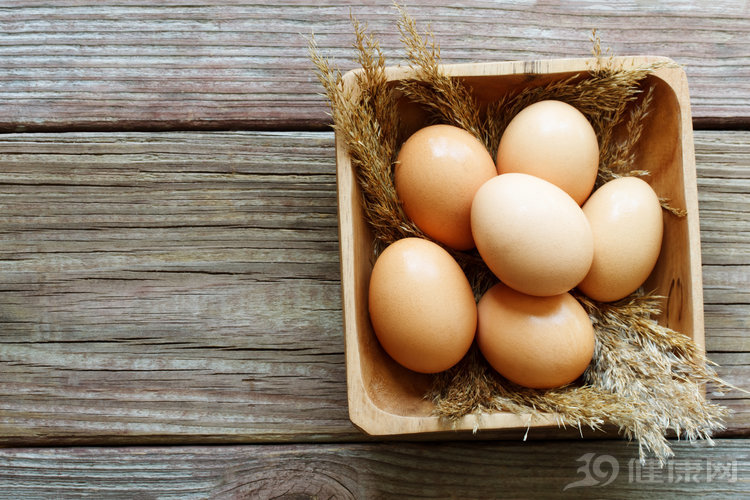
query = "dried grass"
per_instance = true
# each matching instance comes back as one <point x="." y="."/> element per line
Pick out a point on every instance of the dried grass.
<point x="369" y="124"/>
<point x="446" y="98"/>
<point x="644" y="378"/>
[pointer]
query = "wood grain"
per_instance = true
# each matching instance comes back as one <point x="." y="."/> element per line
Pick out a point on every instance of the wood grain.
<point x="185" y="64"/>
<point x="129" y="259"/>
<point x="184" y="287"/>
<point x="354" y="471"/>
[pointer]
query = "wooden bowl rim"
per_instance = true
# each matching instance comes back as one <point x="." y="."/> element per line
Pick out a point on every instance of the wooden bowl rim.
<point x="363" y="412"/>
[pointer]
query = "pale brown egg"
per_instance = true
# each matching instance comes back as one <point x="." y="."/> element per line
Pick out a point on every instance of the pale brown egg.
<point x="438" y="171"/>
<point x="554" y="141"/>
<point x="531" y="234"/>
<point x="422" y="307"/>
<point x="626" y="221"/>
<point x="537" y="342"/>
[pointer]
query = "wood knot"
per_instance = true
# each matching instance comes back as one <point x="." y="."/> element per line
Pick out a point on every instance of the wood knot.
<point x="272" y="479"/>
<point x="675" y="301"/>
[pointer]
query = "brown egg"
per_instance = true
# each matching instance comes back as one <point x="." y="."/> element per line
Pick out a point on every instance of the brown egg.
<point x="554" y="141"/>
<point x="537" y="342"/>
<point x="626" y="221"/>
<point x="422" y="307"/>
<point x="531" y="234"/>
<point x="439" y="170"/>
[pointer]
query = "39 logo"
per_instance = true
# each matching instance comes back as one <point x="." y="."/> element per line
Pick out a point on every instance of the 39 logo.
<point x="597" y="470"/>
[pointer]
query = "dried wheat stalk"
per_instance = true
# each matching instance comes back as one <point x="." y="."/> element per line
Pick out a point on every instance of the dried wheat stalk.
<point x="448" y="100"/>
<point x="368" y="123"/>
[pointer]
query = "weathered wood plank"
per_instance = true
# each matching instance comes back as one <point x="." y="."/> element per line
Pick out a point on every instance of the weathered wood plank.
<point x="478" y="469"/>
<point x="184" y="64"/>
<point x="723" y="187"/>
<point x="192" y="274"/>
<point x="183" y="287"/>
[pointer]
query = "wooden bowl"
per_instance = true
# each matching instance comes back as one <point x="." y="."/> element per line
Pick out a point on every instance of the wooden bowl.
<point x="387" y="399"/>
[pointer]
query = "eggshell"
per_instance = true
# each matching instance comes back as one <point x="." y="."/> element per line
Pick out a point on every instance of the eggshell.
<point x="626" y="221"/>
<point x="438" y="171"/>
<point x="531" y="234"/>
<point x="421" y="305"/>
<point x="537" y="342"/>
<point x="554" y="141"/>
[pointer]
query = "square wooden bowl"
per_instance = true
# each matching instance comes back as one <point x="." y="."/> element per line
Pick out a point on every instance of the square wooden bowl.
<point x="387" y="399"/>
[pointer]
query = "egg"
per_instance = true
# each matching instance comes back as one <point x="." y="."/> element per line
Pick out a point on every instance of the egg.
<point x="531" y="234"/>
<point x="626" y="220"/>
<point x="438" y="171"/>
<point x="537" y="342"/>
<point x="421" y="305"/>
<point x="552" y="140"/>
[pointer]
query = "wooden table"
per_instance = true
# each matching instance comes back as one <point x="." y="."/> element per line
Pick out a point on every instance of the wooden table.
<point x="169" y="295"/>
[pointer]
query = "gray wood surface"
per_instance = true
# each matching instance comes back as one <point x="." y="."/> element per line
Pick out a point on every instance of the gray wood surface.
<point x="173" y="287"/>
<point x="177" y="64"/>
<point x="165" y="286"/>
<point x="479" y="469"/>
